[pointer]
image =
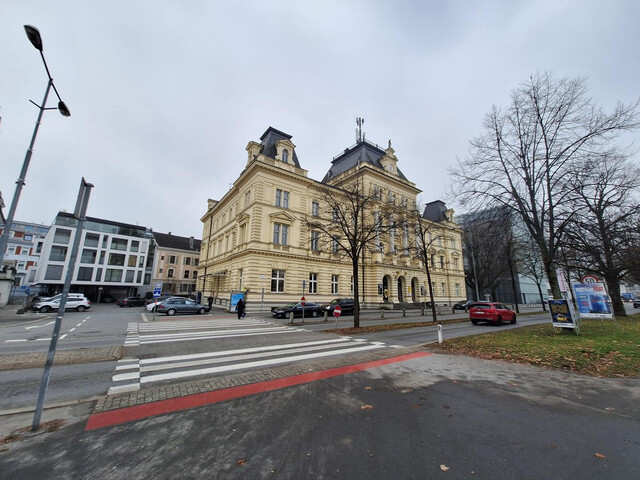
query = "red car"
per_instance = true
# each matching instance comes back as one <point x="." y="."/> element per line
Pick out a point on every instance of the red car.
<point x="491" y="312"/>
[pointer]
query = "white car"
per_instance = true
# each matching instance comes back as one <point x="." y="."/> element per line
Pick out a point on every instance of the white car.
<point x="73" y="303"/>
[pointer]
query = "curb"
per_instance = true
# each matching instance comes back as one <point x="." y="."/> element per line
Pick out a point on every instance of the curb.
<point x="19" y="361"/>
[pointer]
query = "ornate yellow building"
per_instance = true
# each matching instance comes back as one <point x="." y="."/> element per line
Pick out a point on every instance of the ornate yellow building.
<point x="256" y="238"/>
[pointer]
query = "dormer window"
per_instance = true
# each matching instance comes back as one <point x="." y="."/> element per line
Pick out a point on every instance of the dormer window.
<point x="285" y="156"/>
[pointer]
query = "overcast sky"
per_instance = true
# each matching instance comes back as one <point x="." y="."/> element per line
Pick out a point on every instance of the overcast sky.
<point x="165" y="95"/>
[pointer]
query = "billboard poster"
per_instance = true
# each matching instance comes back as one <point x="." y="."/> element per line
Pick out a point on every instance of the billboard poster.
<point x="592" y="300"/>
<point x="562" y="314"/>
<point x="235" y="296"/>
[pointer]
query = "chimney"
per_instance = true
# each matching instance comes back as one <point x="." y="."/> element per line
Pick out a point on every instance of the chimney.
<point x="191" y="243"/>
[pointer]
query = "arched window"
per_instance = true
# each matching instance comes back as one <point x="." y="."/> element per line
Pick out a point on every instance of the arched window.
<point x="285" y="156"/>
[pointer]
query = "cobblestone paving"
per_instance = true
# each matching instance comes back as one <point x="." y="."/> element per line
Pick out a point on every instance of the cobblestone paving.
<point x="147" y="395"/>
<point x="16" y="361"/>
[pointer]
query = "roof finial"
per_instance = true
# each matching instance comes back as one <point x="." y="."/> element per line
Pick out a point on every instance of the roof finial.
<point x="389" y="143"/>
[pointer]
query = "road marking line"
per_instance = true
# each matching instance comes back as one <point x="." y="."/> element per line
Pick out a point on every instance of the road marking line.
<point x="20" y="340"/>
<point x="162" y="407"/>
<point x="61" y="336"/>
<point x="143" y="341"/>
<point x="72" y="329"/>
<point x="241" y="366"/>
<point x="126" y="376"/>
<point x="38" y="326"/>
<point x="80" y="324"/>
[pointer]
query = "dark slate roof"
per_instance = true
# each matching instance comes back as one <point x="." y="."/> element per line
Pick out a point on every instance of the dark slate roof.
<point x="434" y="211"/>
<point x="363" y="151"/>
<point x="167" y="240"/>
<point x="269" y="140"/>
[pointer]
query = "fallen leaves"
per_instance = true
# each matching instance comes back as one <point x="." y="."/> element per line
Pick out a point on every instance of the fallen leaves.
<point x="241" y="463"/>
<point x="366" y="407"/>
<point x="599" y="455"/>
<point x="444" y="468"/>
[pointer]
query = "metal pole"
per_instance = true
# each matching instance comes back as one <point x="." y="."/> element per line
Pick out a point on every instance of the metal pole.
<point x="4" y="239"/>
<point x="80" y="214"/>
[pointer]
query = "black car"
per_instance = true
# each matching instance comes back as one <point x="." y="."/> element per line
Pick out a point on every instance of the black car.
<point x="311" y="309"/>
<point x="463" y="305"/>
<point x="636" y="303"/>
<point x="131" y="302"/>
<point x="346" y="304"/>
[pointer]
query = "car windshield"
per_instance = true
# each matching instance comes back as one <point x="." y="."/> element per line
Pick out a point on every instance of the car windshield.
<point x="290" y="305"/>
<point x="482" y="305"/>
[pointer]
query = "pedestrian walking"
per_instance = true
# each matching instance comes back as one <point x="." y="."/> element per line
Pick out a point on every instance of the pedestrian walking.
<point x="210" y="301"/>
<point x="240" y="308"/>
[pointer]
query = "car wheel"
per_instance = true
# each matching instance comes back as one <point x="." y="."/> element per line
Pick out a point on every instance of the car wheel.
<point x="45" y="309"/>
<point x="80" y="308"/>
<point x="474" y="321"/>
<point x="314" y="314"/>
<point x="513" y="320"/>
<point x="499" y="321"/>
<point x="201" y="311"/>
<point x="171" y="312"/>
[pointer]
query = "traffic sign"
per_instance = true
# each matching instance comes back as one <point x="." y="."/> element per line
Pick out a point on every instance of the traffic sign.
<point x="157" y="289"/>
<point x="337" y="311"/>
<point x="302" y="300"/>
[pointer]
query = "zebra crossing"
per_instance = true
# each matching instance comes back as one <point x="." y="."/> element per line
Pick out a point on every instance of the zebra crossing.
<point x="132" y="373"/>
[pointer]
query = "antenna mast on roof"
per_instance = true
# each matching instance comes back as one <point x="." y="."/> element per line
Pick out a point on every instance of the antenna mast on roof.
<point x="359" y="133"/>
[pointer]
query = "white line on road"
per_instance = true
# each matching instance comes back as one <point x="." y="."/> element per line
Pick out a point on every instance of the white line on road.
<point x="38" y="326"/>
<point x="20" y="340"/>
<point x="72" y="329"/>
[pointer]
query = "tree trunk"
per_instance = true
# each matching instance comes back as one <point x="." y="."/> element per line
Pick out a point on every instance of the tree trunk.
<point x="552" y="277"/>
<point x="542" y="299"/>
<point x="514" y="289"/>
<point x="616" y="300"/>
<point x="356" y="297"/>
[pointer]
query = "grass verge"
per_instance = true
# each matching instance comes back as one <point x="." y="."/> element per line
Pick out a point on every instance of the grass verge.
<point x="601" y="349"/>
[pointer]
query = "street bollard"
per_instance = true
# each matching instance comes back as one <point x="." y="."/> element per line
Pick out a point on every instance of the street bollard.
<point x="422" y="311"/>
<point x="439" y="333"/>
<point x="381" y="314"/>
<point x="326" y="315"/>
<point x="404" y="312"/>
<point x="290" y="317"/>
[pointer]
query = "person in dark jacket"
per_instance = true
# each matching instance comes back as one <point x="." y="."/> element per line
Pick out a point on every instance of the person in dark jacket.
<point x="240" y="308"/>
<point x="210" y="300"/>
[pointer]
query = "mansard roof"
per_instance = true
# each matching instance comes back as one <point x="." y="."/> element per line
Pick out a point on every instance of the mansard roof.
<point x="435" y="211"/>
<point x="269" y="139"/>
<point x="167" y="240"/>
<point x="362" y="151"/>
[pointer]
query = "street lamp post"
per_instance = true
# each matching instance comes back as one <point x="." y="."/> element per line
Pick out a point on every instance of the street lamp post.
<point x="34" y="37"/>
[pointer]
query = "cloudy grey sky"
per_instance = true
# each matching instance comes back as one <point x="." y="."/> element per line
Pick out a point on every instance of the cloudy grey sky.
<point x="165" y="95"/>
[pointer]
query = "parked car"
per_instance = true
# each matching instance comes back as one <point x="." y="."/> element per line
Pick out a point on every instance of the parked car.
<point x="107" y="298"/>
<point x="311" y="309"/>
<point x="59" y="296"/>
<point x="131" y="302"/>
<point x="346" y="304"/>
<point x="174" y="305"/>
<point x="636" y="303"/>
<point x="73" y="303"/>
<point x="491" y="312"/>
<point x="151" y="302"/>
<point x="463" y="305"/>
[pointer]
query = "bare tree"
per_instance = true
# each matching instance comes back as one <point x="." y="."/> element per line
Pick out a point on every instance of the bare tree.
<point x="531" y="264"/>
<point x="350" y="224"/>
<point x="606" y="213"/>
<point x="521" y="159"/>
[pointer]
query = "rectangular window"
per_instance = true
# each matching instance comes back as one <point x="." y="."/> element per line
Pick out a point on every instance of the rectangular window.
<point x="135" y="244"/>
<point x="315" y="240"/>
<point x="91" y="240"/>
<point x="119" y="244"/>
<point x="313" y="283"/>
<point x="278" y="197"/>
<point x="141" y="262"/>
<point x="101" y="261"/>
<point x="54" y="272"/>
<point x="133" y="259"/>
<point x="172" y="259"/>
<point x="315" y="208"/>
<point x="62" y="235"/>
<point x="129" y="276"/>
<point x="334" y="284"/>
<point x="443" y="288"/>
<point x="280" y="233"/>
<point x="187" y="260"/>
<point x="457" y="289"/>
<point x="285" y="199"/>
<point x="85" y="274"/>
<point x="441" y="261"/>
<point x="39" y="247"/>
<point x="139" y="277"/>
<point x="247" y="198"/>
<point x="88" y="256"/>
<point x="335" y="246"/>
<point x="186" y="274"/>
<point x="196" y="262"/>
<point x="277" y="281"/>
<point x="113" y="275"/>
<point x="195" y="275"/>
<point x="170" y="273"/>
<point x="58" y="254"/>
<point x="28" y="237"/>
<point x="116" y="259"/>
<point x="455" y="264"/>
<point x="242" y="233"/>
<point x="105" y="241"/>
<point x="98" y="275"/>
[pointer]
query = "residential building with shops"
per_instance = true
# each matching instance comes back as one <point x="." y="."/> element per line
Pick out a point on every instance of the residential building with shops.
<point x="111" y="260"/>
<point x="175" y="263"/>
<point x="256" y="238"/>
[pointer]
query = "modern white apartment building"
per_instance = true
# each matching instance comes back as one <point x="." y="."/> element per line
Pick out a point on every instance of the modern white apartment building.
<point x="111" y="258"/>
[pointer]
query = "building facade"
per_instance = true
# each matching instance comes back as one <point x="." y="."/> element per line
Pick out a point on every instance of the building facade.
<point x="175" y="263"/>
<point x="110" y="263"/>
<point x="23" y="250"/>
<point x="257" y="240"/>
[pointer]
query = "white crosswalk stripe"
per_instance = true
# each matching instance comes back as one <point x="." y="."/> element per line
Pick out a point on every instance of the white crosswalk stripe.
<point x="132" y="373"/>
